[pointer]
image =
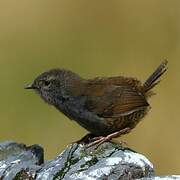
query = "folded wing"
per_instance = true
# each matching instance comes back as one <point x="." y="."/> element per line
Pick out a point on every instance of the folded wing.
<point x="113" y="98"/>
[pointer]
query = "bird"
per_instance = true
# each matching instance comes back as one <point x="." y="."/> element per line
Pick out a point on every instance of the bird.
<point x="107" y="107"/>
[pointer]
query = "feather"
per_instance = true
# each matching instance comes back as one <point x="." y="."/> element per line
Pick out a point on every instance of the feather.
<point x="114" y="97"/>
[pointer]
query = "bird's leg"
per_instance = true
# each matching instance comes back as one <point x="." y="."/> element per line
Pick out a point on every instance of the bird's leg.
<point x="96" y="138"/>
<point x="101" y="139"/>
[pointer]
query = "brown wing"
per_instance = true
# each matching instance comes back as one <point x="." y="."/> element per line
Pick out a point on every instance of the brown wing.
<point x="113" y="98"/>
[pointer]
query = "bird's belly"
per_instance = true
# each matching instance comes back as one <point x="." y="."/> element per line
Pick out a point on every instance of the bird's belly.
<point x="88" y="120"/>
<point x="102" y="126"/>
<point x="95" y="125"/>
<point x="107" y="126"/>
<point x="116" y="124"/>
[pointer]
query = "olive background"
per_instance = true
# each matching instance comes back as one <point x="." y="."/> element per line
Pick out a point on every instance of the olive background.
<point x="92" y="38"/>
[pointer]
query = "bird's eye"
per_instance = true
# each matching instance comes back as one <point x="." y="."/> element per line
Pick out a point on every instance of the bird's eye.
<point x="47" y="83"/>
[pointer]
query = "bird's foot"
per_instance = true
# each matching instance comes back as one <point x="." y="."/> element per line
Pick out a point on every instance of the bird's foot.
<point x="101" y="139"/>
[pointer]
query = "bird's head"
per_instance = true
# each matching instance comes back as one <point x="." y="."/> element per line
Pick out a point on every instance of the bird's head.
<point x="54" y="85"/>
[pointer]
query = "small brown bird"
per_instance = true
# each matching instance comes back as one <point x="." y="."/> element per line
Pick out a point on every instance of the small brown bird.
<point x="107" y="107"/>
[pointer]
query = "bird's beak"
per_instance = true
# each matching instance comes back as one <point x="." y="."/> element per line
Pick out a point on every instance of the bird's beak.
<point x="30" y="86"/>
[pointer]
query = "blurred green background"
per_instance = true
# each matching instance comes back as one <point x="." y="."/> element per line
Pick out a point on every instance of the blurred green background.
<point x="92" y="38"/>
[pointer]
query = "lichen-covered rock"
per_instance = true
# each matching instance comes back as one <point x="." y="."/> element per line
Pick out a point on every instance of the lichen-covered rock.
<point x="172" y="177"/>
<point x="109" y="161"/>
<point x="18" y="160"/>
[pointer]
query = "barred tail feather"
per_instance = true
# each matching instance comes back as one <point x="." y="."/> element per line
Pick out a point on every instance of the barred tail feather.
<point x="153" y="78"/>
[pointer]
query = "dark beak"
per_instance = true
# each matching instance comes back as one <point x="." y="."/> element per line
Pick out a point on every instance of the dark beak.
<point x="30" y="86"/>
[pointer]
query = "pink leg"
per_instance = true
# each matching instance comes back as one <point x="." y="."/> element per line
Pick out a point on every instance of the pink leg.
<point x="100" y="140"/>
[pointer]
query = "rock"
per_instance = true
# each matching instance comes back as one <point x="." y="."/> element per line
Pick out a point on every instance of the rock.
<point x="110" y="161"/>
<point x="172" y="177"/>
<point x="18" y="160"/>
